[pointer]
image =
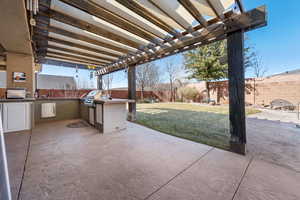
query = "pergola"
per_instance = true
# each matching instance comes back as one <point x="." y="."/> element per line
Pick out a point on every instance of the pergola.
<point x="111" y="35"/>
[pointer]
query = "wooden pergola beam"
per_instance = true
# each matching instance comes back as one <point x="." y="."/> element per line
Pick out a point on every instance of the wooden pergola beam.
<point x="102" y="13"/>
<point x="83" y="25"/>
<point x="245" y="21"/>
<point x="187" y="4"/>
<point x="84" y="38"/>
<point x="212" y="6"/>
<point x="240" y="5"/>
<point x="167" y="14"/>
<point x="60" y="62"/>
<point x="106" y="70"/>
<point x="71" y="44"/>
<point x="68" y="59"/>
<point x="138" y="9"/>
<point x="80" y="53"/>
<point x="78" y="58"/>
<point x="184" y="42"/>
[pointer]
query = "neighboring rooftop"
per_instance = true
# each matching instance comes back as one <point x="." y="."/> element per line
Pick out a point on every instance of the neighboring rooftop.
<point x="45" y="81"/>
<point x="296" y="71"/>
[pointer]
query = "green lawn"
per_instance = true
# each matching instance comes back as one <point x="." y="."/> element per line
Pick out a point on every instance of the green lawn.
<point x="200" y="123"/>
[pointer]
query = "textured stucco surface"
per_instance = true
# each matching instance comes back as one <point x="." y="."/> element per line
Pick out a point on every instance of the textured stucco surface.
<point x="20" y="63"/>
<point x="14" y="34"/>
<point x="65" y="109"/>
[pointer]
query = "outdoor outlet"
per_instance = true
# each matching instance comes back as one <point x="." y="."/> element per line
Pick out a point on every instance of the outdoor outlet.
<point x="32" y="22"/>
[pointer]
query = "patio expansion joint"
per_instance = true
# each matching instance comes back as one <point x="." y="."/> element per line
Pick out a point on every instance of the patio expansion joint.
<point x="178" y="174"/>
<point x="25" y="163"/>
<point x="242" y="177"/>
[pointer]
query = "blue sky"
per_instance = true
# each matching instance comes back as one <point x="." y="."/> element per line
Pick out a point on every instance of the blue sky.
<point x="278" y="44"/>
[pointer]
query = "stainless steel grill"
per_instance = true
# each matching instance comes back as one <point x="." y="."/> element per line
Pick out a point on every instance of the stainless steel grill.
<point x="91" y="96"/>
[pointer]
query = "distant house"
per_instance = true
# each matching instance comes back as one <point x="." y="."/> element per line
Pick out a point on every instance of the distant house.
<point x="45" y="81"/>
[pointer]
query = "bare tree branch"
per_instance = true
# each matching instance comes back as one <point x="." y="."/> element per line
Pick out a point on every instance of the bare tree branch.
<point x="259" y="70"/>
<point x="147" y="76"/>
<point x="172" y="73"/>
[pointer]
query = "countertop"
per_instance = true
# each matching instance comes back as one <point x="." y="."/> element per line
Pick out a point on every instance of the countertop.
<point x="114" y="101"/>
<point x="102" y="101"/>
<point x="57" y="98"/>
<point x="17" y="100"/>
<point x="39" y="99"/>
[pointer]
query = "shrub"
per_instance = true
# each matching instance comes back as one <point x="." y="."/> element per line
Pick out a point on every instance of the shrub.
<point x="187" y="93"/>
<point x="148" y="100"/>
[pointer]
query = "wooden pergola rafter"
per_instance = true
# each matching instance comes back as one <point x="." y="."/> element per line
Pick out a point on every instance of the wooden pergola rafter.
<point x="138" y="44"/>
<point x="117" y="34"/>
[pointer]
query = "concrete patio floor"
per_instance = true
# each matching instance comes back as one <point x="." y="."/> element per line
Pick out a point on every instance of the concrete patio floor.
<point x="140" y="163"/>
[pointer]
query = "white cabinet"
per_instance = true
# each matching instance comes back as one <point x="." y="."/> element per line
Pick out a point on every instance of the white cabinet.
<point x="113" y="115"/>
<point x="16" y="116"/>
<point x="92" y="116"/>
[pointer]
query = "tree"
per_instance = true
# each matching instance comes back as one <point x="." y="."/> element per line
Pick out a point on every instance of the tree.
<point x="188" y="93"/>
<point x="204" y="64"/>
<point x="259" y="70"/>
<point x="172" y="73"/>
<point x="147" y="75"/>
<point x="107" y="82"/>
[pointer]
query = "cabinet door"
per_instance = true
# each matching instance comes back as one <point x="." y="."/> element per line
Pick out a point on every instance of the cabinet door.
<point x="92" y="116"/>
<point x="16" y="116"/>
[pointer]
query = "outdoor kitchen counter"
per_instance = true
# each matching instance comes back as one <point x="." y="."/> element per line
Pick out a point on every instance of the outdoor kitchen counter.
<point x="111" y="114"/>
<point x="114" y="101"/>
<point x="16" y="100"/>
<point x="57" y="98"/>
<point x="38" y="99"/>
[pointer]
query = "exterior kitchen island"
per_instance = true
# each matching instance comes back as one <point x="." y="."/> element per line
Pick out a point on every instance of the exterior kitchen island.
<point x="111" y="114"/>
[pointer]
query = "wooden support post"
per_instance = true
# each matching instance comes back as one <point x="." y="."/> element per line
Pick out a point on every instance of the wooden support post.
<point x="99" y="82"/>
<point x="236" y="74"/>
<point x="132" y="93"/>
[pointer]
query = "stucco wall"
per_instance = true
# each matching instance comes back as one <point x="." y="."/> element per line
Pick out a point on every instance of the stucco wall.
<point x="65" y="109"/>
<point x="20" y="63"/>
<point x="262" y="91"/>
<point x="259" y="91"/>
<point x="266" y="91"/>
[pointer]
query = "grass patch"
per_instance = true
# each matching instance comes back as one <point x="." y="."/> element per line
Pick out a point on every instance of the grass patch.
<point x="200" y="123"/>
